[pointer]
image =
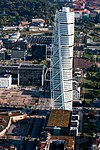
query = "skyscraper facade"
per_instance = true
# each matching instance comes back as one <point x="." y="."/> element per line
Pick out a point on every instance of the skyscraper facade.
<point x="62" y="60"/>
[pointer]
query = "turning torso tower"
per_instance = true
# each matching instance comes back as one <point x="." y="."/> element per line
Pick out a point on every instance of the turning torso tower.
<point x="62" y="60"/>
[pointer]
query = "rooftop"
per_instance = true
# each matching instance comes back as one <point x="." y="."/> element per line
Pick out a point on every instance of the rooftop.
<point x="68" y="141"/>
<point x="41" y="40"/>
<point x="4" y="76"/>
<point x="16" y="113"/>
<point x="59" y="118"/>
<point x="14" y="97"/>
<point x="23" y="97"/>
<point x="81" y="63"/>
<point x="4" y="119"/>
<point x="42" y="145"/>
<point x="23" y="65"/>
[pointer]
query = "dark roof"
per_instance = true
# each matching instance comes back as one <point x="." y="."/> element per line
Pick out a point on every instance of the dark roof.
<point x="39" y="66"/>
<point x="77" y="104"/>
<point x="74" y="117"/>
<point x="73" y="124"/>
<point x="41" y="39"/>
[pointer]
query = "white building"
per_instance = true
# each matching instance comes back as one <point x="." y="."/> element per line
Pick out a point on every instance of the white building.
<point x="5" y="81"/>
<point x="14" y="37"/>
<point x="62" y="59"/>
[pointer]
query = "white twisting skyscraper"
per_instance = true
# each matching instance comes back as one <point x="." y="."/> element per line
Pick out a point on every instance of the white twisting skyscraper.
<point x="62" y="60"/>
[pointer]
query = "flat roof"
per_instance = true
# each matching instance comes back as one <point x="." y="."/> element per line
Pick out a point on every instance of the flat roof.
<point x="59" y="118"/>
<point x="68" y="140"/>
<point x="81" y="63"/>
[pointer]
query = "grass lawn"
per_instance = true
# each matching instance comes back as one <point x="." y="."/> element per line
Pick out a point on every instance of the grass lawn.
<point x="87" y="55"/>
<point x="86" y="81"/>
<point x="89" y="93"/>
<point x="85" y="95"/>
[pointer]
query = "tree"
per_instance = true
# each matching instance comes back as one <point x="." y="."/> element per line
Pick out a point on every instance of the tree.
<point x="27" y="9"/>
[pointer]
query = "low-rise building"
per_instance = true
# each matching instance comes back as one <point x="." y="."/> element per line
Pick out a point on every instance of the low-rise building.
<point x="2" y="54"/>
<point x="5" y="81"/>
<point x="25" y="74"/>
<point x="57" y="143"/>
<point x="14" y="37"/>
<point x="49" y="142"/>
<point x="81" y="63"/>
<point x="59" y="122"/>
<point x="38" y="22"/>
<point x="76" y="123"/>
<point x="38" y="51"/>
<point x="6" y="120"/>
<point x="17" y="53"/>
<point x="29" y="74"/>
<point x="62" y="142"/>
